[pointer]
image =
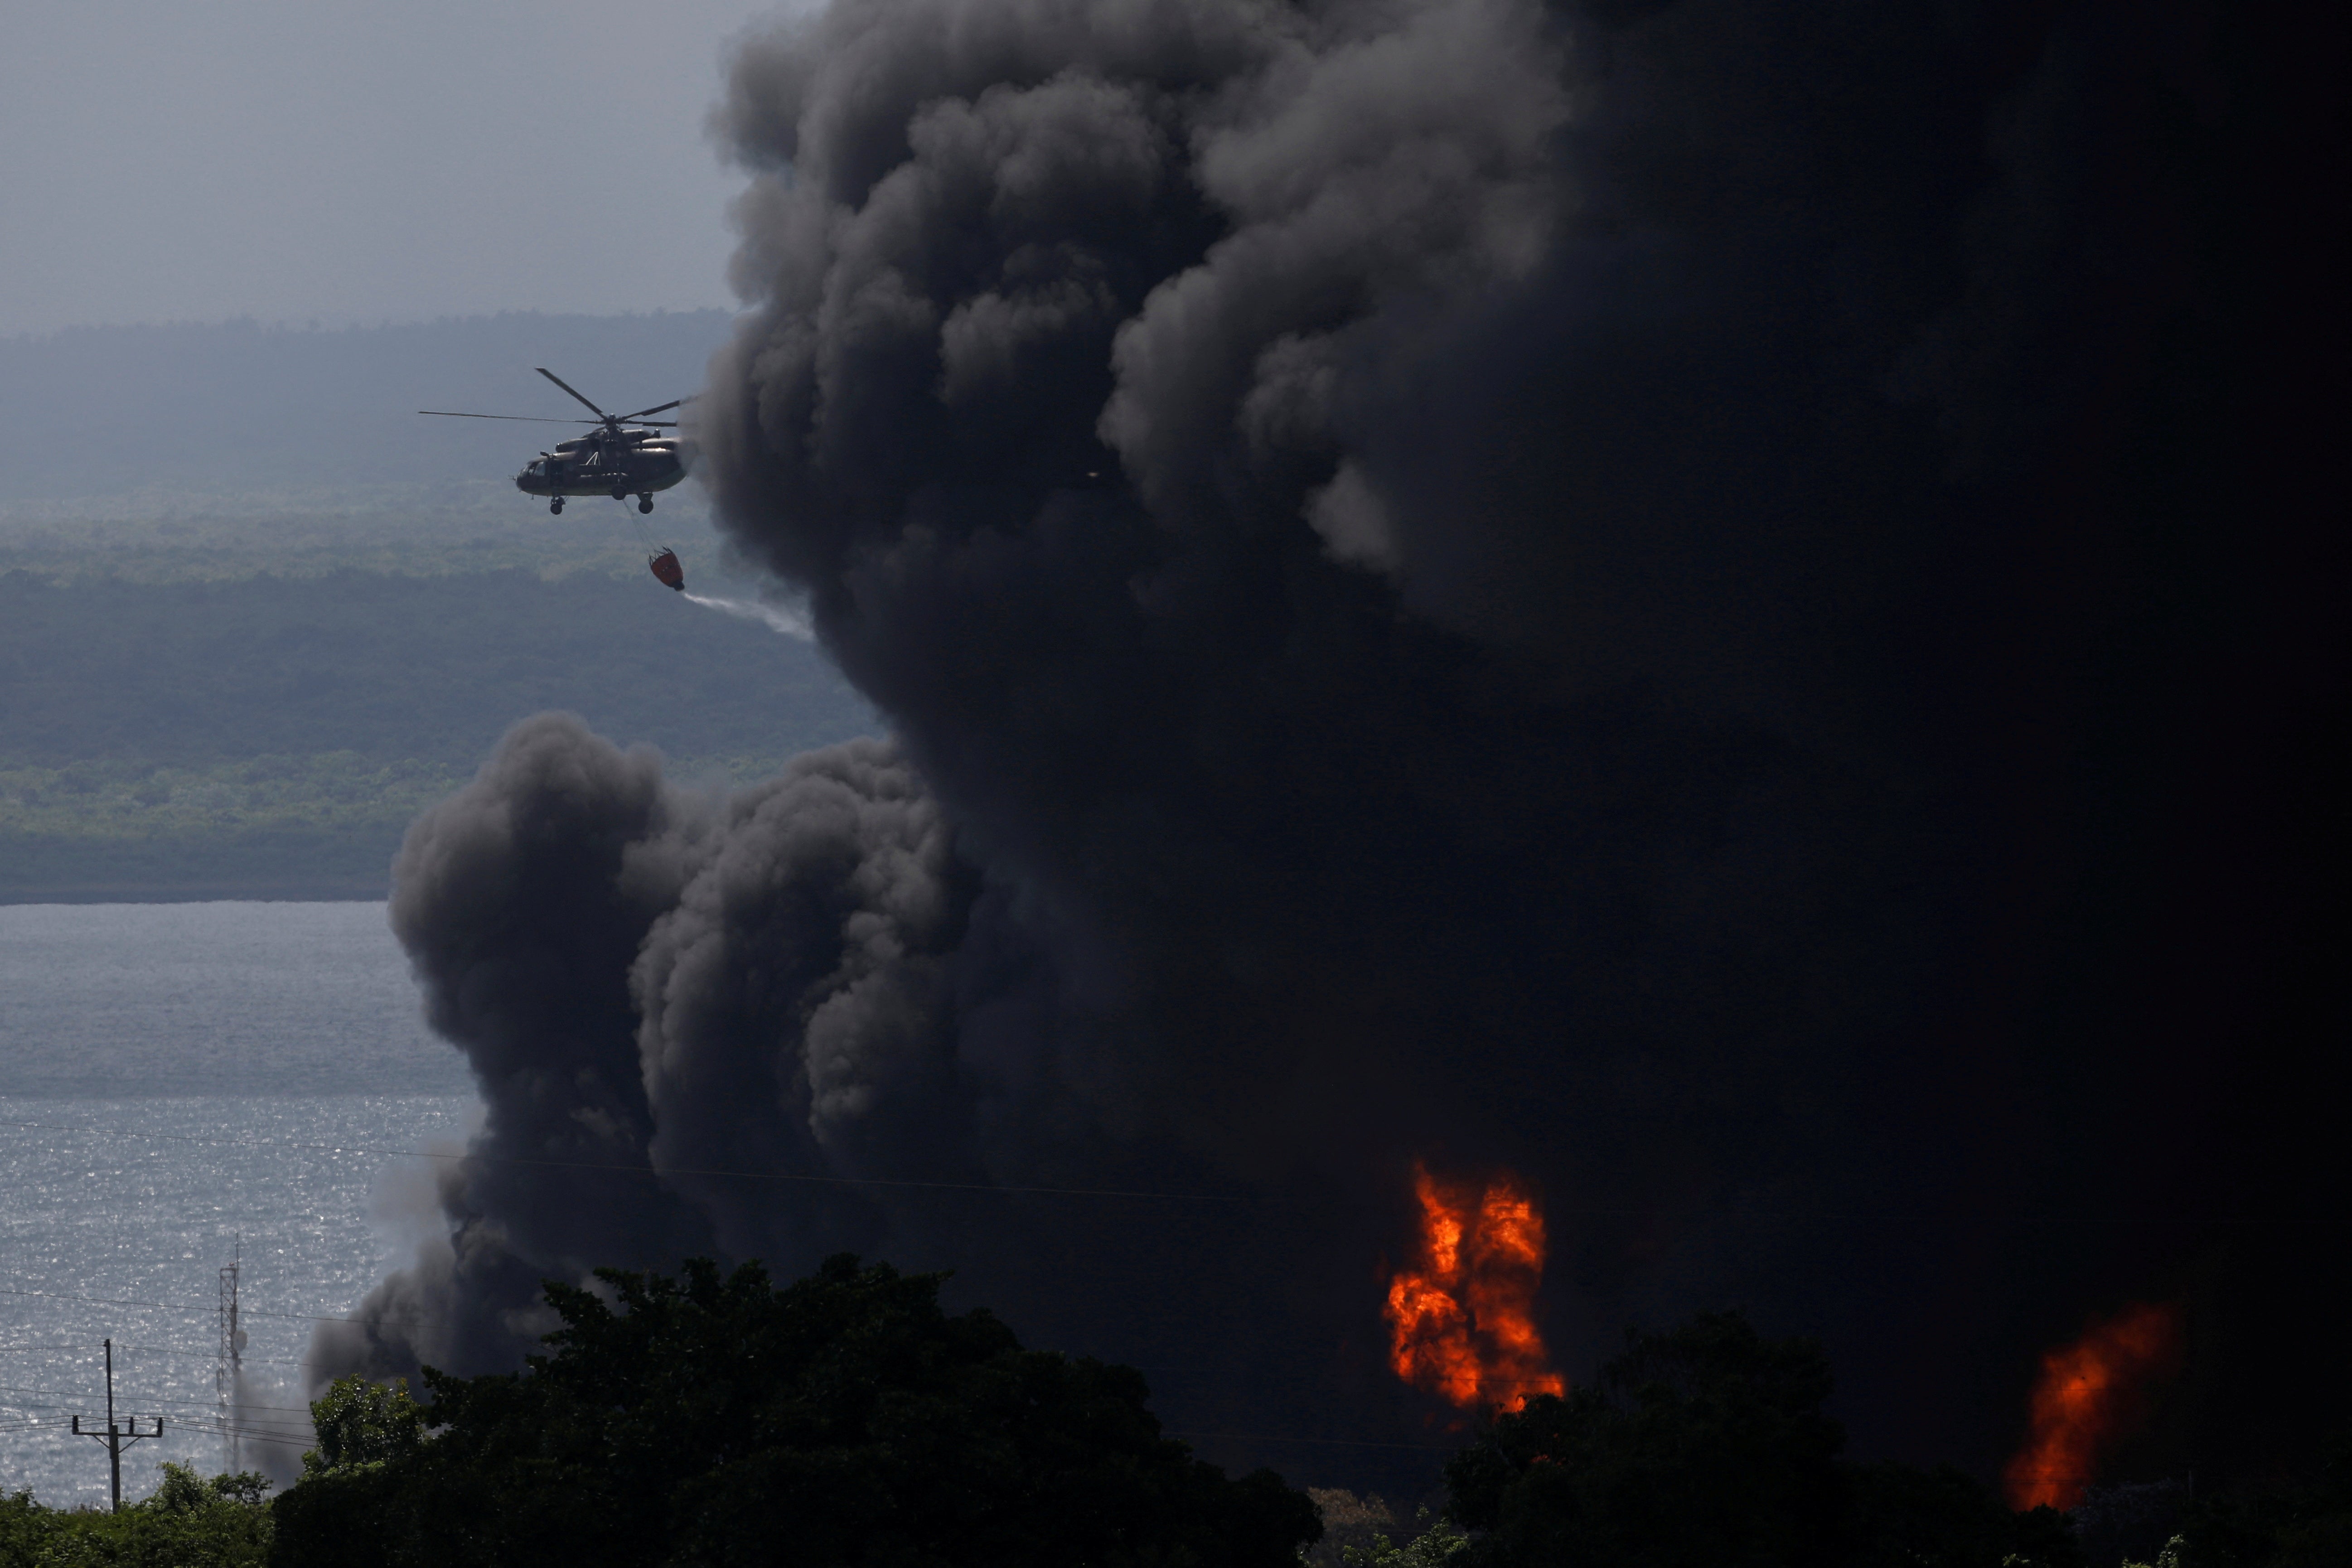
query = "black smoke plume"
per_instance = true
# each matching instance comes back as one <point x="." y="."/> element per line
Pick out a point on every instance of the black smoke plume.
<point x="1716" y="602"/>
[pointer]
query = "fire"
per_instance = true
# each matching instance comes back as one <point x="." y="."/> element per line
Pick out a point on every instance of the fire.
<point x="1462" y="1323"/>
<point x="2090" y="1394"/>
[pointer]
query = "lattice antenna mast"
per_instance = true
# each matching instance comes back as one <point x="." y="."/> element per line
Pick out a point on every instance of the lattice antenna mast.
<point x="232" y="1350"/>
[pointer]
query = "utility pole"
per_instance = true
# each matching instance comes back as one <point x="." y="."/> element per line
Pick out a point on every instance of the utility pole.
<point x="116" y="1437"/>
<point x="232" y="1350"/>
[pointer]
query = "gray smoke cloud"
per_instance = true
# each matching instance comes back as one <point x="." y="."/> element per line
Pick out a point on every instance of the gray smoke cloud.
<point x="1445" y="577"/>
<point x="745" y="985"/>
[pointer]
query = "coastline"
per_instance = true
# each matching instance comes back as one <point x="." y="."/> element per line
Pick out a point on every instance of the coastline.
<point x="321" y="866"/>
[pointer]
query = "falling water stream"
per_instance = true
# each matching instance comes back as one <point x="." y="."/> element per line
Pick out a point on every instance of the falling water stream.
<point x="789" y="623"/>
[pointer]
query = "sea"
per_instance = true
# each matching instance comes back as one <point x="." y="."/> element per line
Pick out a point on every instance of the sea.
<point x="186" y="1089"/>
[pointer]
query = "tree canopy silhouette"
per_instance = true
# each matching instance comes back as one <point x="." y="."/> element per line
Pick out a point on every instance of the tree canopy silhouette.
<point x="843" y="1419"/>
<point x="1709" y="1445"/>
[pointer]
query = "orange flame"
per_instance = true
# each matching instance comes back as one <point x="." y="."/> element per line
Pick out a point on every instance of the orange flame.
<point x="1462" y="1324"/>
<point x="2090" y="1394"/>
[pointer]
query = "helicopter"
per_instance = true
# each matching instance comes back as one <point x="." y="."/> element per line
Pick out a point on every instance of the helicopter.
<point x="620" y="457"/>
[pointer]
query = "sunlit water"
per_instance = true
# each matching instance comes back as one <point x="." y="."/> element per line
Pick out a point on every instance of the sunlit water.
<point x="177" y="1082"/>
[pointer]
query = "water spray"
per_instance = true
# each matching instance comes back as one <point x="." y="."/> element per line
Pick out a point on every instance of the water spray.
<point x="786" y="623"/>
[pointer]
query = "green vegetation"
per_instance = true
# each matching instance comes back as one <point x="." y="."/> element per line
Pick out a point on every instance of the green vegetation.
<point x="1440" y="1543"/>
<point x="361" y="1426"/>
<point x="843" y="1419"/>
<point x="2300" y="1522"/>
<point x="279" y="826"/>
<point x="466" y="529"/>
<point x="1710" y="1444"/>
<point x="191" y="1522"/>
<point x="256" y="612"/>
<point x="713" y="1419"/>
<point x="261" y="735"/>
<point x="393" y="669"/>
<point x="108" y="799"/>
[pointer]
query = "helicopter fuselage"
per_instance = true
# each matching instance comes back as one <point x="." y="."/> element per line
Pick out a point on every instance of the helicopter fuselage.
<point x="623" y="455"/>
<point x="597" y="465"/>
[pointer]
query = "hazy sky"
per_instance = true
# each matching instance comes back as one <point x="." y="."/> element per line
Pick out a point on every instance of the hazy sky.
<point x="359" y="162"/>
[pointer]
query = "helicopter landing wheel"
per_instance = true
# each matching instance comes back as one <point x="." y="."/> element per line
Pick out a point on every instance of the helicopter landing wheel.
<point x="645" y="503"/>
<point x="555" y="507"/>
<point x="620" y="493"/>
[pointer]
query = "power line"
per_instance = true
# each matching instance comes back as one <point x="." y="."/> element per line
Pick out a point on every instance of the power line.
<point x="116" y="1437"/>
<point x="151" y="1350"/>
<point x="278" y="1431"/>
<point x="257" y="1429"/>
<point x="174" y="1305"/>
<point x="149" y="1399"/>
<point x="228" y="1364"/>
<point x="257" y="1435"/>
<point x="241" y="1424"/>
<point x="178" y="1422"/>
<point x="301" y="1435"/>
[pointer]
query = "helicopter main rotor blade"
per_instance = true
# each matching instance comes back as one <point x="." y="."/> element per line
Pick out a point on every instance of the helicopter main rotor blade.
<point x="638" y="417"/>
<point x="525" y="418"/>
<point x="560" y="382"/>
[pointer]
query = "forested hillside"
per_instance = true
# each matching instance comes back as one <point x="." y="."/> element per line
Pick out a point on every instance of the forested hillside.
<point x="389" y="668"/>
<point x="255" y="612"/>
<point x="240" y="410"/>
<point x="198" y="737"/>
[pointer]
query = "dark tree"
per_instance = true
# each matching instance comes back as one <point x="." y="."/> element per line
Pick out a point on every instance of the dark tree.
<point x="1943" y="1518"/>
<point x="189" y="1521"/>
<point x="2297" y="1522"/>
<point x="1706" y="1446"/>
<point x="1709" y="1446"/>
<point x="845" y="1419"/>
<point x="358" y="1423"/>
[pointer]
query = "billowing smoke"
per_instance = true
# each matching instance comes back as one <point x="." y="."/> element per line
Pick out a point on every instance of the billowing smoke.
<point x="1562" y="588"/>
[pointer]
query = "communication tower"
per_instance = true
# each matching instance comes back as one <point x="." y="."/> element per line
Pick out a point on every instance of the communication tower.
<point x="232" y="1350"/>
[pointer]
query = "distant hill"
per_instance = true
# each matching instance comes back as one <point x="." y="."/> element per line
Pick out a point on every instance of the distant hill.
<point x="255" y="612"/>
<point x="393" y="667"/>
<point x="237" y="408"/>
<point x="259" y="736"/>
